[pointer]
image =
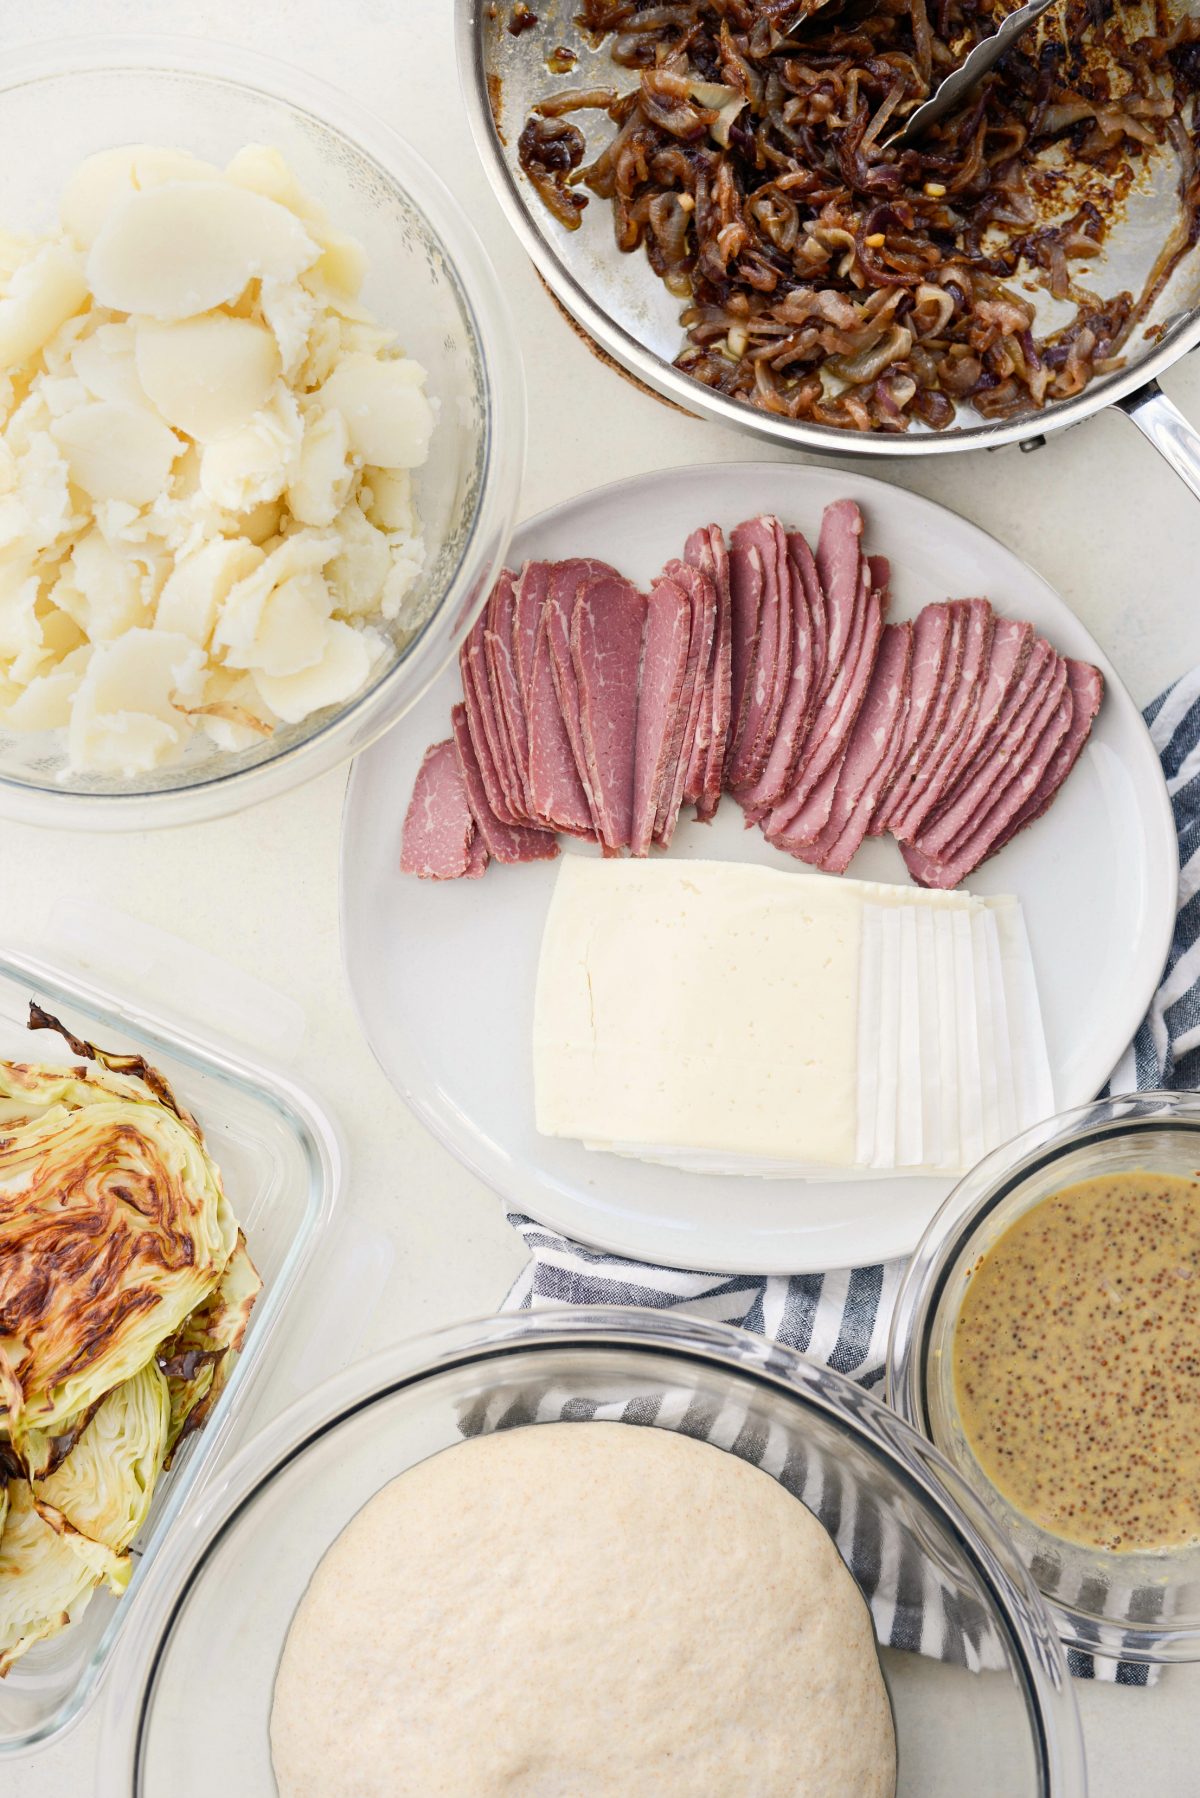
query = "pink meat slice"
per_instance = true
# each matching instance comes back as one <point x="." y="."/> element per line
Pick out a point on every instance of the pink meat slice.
<point x="839" y="853"/>
<point x="1011" y="644"/>
<point x="532" y="589"/>
<point x="504" y="681"/>
<point x="506" y="842"/>
<point x="746" y="579"/>
<point x="554" y="784"/>
<point x="839" y="553"/>
<point x="931" y="642"/>
<point x="481" y="722"/>
<point x="911" y="769"/>
<point x="979" y="843"/>
<point x="706" y="550"/>
<point x="480" y="858"/>
<point x="566" y="578"/>
<point x="438" y="826"/>
<point x="664" y="664"/>
<point x="804" y="563"/>
<point x="699" y="553"/>
<point x="1005" y="749"/>
<point x="607" y="626"/>
<point x="770" y="674"/>
<point x="875" y="738"/>
<point x="941" y="755"/>
<point x="494" y="725"/>
<point x="1087" y="691"/>
<point x="804" y="595"/>
<point x="702" y="601"/>
<point x="808" y="819"/>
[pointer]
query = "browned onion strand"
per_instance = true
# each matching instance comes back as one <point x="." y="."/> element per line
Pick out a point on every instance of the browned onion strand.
<point x="831" y="278"/>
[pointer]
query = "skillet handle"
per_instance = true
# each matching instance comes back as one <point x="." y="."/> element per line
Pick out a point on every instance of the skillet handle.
<point x="1159" y="419"/>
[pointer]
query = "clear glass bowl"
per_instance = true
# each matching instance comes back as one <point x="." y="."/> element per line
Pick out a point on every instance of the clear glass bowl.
<point x="189" y="1701"/>
<point x="281" y="1162"/>
<point x="1141" y="1607"/>
<point x="428" y="277"/>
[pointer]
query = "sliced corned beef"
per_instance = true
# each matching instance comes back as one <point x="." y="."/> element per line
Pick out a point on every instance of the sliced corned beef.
<point x="702" y="602"/>
<point x="807" y="607"/>
<point x="477" y="865"/>
<point x="706" y="550"/>
<point x="438" y="826"/>
<point x="507" y="842"/>
<point x="532" y="589"/>
<point x="931" y="644"/>
<point x="481" y="722"/>
<point x="554" y="784"/>
<point x="664" y="663"/>
<point x="1087" y="690"/>
<point x="873" y="745"/>
<point x="943" y="752"/>
<point x="507" y="698"/>
<point x="607" y="625"/>
<point x="912" y="772"/>
<point x="566" y="578"/>
<point x="770" y="673"/>
<point x="746" y="596"/>
<point x="990" y="769"/>
<point x="819" y="778"/>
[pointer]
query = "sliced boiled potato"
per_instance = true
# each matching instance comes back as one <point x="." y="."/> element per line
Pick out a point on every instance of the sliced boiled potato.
<point x="391" y="503"/>
<point x="102" y="181"/>
<point x="45" y="292"/>
<point x="293" y="629"/>
<point x="342" y="264"/>
<point x="290" y="310"/>
<point x="321" y="481"/>
<point x="209" y="375"/>
<point x="104" y="362"/>
<point x="241" y="616"/>
<point x="110" y="584"/>
<point x="252" y="466"/>
<point x="45" y="704"/>
<point x="360" y="568"/>
<point x="186" y="247"/>
<point x="265" y="171"/>
<point x="386" y="412"/>
<point x="199" y="585"/>
<point x="341" y="671"/>
<point x="116" y="452"/>
<point x="125" y="719"/>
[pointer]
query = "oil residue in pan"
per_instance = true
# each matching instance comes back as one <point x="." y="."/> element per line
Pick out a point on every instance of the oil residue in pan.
<point x="1058" y="215"/>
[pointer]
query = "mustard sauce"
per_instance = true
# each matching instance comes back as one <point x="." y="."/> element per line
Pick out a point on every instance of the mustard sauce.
<point x="1076" y="1362"/>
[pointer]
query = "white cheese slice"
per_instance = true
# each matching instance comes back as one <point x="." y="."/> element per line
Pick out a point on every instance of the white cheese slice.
<point x="870" y="996"/>
<point x="985" y="1029"/>
<point x="970" y="1097"/>
<point x="930" y="1045"/>
<point x="910" y="1098"/>
<point x="889" y="1040"/>
<point x="1006" y="1105"/>
<point x="701" y="1005"/>
<point x="1031" y="1063"/>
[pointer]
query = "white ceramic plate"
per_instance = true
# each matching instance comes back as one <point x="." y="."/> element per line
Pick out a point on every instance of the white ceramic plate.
<point x="443" y="972"/>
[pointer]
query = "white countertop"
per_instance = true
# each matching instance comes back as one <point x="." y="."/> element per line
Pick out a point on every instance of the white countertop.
<point x="1095" y="511"/>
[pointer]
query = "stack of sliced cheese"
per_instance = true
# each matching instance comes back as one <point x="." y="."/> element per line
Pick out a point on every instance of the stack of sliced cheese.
<point x="726" y="1018"/>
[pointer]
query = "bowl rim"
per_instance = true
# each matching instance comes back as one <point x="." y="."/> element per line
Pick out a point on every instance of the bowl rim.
<point x="929" y="1270"/>
<point x="1054" y="1719"/>
<point x="489" y="317"/>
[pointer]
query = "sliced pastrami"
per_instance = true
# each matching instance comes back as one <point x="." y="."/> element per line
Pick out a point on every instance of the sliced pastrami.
<point x="607" y="626"/>
<point x="1087" y="691"/>
<point x="839" y="554"/>
<point x="978" y="844"/>
<point x="942" y="753"/>
<point x="701" y="551"/>
<point x="931" y="643"/>
<point x="507" y="698"/>
<point x="804" y="563"/>
<point x="478" y="864"/>
<point x="532" y="590"/>
<point x="746" y="577"/>
<point x="807" y="606"/>
<point x="664" y="664"/>
<point x="763" y="541"/>
<point x="554" y="785"/>
<point x="706" y="550"/>
<point x="989" y="770"/>
<point x="874" y="741"/>
<point x="506" y="842"/>
<point x="438" y="826"/>
<point x="818" y="782"/>
<point x="702" y="600"/>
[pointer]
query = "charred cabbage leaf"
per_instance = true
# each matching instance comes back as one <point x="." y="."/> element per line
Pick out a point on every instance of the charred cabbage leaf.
<point x="125" y="1292"/>
<point x="114" y="1227"/>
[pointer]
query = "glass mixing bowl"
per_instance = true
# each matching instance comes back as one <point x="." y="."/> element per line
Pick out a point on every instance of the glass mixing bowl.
<point x="979" y="1690"/>
<point x="428" y="277"/>
<point x="1140" y="1607"/>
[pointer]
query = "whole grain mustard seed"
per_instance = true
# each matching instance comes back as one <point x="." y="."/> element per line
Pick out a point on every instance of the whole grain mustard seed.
<point x="1077" y="1362"/>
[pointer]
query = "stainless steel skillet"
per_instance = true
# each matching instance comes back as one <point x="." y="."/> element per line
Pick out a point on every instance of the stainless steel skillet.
<point x="623" y="306"/>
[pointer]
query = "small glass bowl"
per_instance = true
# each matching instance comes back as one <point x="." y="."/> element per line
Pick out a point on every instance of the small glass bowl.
<point x="1139" y="1607"/>
<point x="428" y="277"/>
<point x="980" y="1691"/>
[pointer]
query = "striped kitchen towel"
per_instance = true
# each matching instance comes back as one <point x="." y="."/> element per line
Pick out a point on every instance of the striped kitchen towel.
<point x="841" y="1318"/>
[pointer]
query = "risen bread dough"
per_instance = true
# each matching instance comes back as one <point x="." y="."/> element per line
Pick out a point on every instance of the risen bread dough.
<point x="576" y="1610"/>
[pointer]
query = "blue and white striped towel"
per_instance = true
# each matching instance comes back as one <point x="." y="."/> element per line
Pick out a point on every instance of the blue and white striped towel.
<point x="841" y="1318"/>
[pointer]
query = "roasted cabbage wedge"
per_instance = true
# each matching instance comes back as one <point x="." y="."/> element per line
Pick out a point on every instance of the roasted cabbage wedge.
<point x="125" y="1292"/>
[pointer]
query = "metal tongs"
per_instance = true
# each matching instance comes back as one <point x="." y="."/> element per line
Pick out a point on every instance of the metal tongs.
<point x="954" y="89"/>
